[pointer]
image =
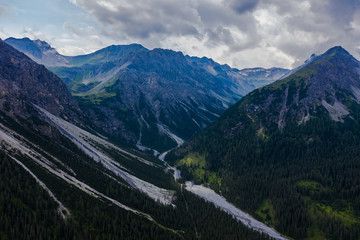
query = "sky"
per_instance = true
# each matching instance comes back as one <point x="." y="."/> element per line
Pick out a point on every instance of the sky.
<point x="240" y="33"/>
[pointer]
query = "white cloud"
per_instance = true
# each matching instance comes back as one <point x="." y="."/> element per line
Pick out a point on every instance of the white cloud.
<point x="242" y="33"/>
<point x="71" y="50"/>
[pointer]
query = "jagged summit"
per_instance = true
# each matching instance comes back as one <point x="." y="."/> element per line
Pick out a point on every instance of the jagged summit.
<point x="42" y="53"/>
<point x="36" y="46"/>
<point x="39" y="51"/>
<point x="337" y="49"/>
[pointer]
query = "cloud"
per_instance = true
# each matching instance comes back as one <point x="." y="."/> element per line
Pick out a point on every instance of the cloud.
<point x="230" y="30"/>
<point x="243" y="6"/>
<point x="302" y="27"/>
<point x="141" y="19"/>
<point x="82" y="30"/>
<point x="211" y="22"/>
<point x="33" y="33"/>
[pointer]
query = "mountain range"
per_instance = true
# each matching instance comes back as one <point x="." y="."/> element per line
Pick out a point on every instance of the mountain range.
<point x="288" y="152"/>
<point x="154" y="99"/>
<point x="61" y="179"/>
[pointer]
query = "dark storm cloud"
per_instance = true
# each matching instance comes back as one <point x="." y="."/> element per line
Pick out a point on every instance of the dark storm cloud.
<point x="343" y="10"/>
<point x="243" y="6"/>
<point x="324" y="24"/>
<point x="142" y="19"/>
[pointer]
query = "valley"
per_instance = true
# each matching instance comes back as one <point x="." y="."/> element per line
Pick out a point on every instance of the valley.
<point x="132" y="143"/>
<point x="152" y="99"/>
<point x="92" y="186"/>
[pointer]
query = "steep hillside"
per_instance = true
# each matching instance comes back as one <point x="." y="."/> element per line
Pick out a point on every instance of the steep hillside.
<point x="24" y="83"/>
<point x="289" y="152"/>
<point x="59" y="181"/>
<point x="155" y="99"/>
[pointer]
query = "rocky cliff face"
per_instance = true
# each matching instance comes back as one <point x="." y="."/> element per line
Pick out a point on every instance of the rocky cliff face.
<point x="24" y="83"/>
<point x="331" y="83"/>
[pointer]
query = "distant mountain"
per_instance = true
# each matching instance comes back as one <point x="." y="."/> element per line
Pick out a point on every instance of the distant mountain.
<point x="246" y="79"/>
<point x="289" y="152"/>
<point x="59" y="181"/>
<point x="42" y="53"/>
<point x="112" y="53"/>
<point x="39" y="51"/>
<point x="155" y="99"/>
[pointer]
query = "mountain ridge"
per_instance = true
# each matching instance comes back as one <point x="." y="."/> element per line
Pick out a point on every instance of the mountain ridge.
<point x="283" y="152"/>
<point x="60" y="181"/>
<point x="155" y="98"/>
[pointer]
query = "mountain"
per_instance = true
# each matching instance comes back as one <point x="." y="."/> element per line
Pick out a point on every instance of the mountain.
<point x="42" y="53"/>
<point x="61" y="179"/>
<point x="112" y="53"/>
<point x="288" y="152"/>
<point x="246" y="79"/>
<point x="155" y="99"/>
<point x="39" y="51"/>
<point x="25" y="83"/>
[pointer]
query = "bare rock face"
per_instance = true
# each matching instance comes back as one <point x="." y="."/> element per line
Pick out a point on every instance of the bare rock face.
<point x="330" y="83"/>
<point x="23" y="83"/>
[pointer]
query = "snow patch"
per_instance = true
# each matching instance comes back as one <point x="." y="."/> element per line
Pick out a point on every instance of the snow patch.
<point x="220" y="202"/>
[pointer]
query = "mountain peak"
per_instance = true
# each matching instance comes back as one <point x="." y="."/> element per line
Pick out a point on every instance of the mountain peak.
<point x="38" y="50"/>
<point x="328" y="84"/>
<point x="43" y="45"/>
<point x="338" y="52"/>
<point x="134" y="46"/>
<point x="336" y="49"/>
<point x="18" y="39"/>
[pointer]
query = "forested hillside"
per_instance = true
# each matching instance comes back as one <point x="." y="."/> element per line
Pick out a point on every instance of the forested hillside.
<point x="289" y="152"/>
